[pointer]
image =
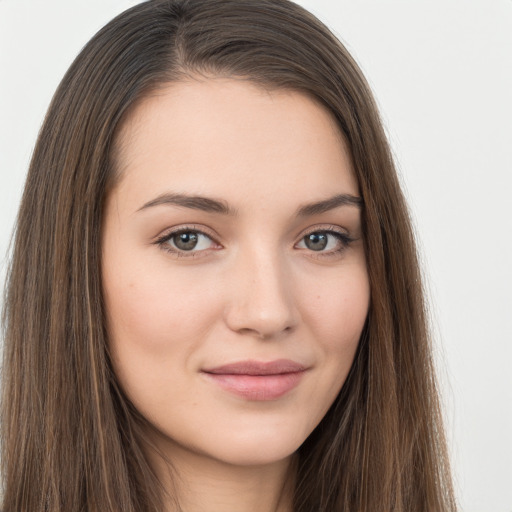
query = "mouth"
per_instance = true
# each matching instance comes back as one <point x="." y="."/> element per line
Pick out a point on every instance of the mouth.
<point x="257" y="381"/>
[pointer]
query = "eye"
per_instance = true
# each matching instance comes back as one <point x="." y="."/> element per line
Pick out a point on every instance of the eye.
<point x="325" y="241"/>
<point x="186" y="240"/>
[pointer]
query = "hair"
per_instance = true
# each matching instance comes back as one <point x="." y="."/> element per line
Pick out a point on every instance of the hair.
<point x="70" y="439"/>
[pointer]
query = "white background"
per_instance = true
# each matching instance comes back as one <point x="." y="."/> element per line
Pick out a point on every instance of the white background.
<point x="442" y="74"/>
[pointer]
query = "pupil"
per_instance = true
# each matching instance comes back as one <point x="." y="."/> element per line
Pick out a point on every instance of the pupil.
<point x="186" y="241"/>
<point x="316" y="241"/>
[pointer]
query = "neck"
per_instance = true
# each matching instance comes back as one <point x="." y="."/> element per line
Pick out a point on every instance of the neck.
<point x="196" y="483"/>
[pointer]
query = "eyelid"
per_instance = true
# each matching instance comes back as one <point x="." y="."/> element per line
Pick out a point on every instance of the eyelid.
<point x="168" y="233"/>
<point x="180" y="228"/>
<point x="326" y="228"/>
<point x="341" y="233"/>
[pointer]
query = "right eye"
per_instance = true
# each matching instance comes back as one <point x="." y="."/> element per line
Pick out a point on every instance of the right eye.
<point x="183" y="241"/>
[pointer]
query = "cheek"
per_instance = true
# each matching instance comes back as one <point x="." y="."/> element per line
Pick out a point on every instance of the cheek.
<point x="150" y="306"/>
<point x="338" y="310"/>
<point x="156" y="322"/>
<point x="336" y="317"/>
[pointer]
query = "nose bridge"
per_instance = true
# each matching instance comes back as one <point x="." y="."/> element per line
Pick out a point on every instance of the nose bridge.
<point x="262" y="297"/>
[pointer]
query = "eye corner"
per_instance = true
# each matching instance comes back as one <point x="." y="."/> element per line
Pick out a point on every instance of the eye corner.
<point x="201" y="243"/>
<point x="328" y="242"/>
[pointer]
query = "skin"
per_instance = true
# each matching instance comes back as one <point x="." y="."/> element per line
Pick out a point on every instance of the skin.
<point x="252" y="289"/>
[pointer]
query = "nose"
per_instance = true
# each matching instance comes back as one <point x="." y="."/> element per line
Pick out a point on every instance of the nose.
<point x="262" y="302"/>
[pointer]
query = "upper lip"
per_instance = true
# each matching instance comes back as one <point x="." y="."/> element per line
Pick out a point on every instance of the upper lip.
<point x="277" y="367"/>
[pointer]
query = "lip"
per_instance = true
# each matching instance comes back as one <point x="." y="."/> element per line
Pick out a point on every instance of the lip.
<point x="258" y="381"/>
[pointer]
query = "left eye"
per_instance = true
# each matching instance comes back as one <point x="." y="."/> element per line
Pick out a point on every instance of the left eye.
<point x="187" y="241"/>
<point x="322" y="241"/>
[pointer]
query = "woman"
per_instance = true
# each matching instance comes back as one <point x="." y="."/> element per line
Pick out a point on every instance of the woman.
<point x="214" y="301"/>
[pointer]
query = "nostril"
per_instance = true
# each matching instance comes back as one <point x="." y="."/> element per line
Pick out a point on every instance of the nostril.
<point x="247" y="320"/>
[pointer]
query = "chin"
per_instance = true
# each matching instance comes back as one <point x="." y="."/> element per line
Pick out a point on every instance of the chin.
<point x="257" y="452"/>
<point x="243" y="447"/>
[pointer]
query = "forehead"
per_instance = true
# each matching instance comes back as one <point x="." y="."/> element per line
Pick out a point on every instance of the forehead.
<point x="232" y="139"/>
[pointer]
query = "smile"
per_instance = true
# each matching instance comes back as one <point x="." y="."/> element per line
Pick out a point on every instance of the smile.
<point x="257" y="381"/>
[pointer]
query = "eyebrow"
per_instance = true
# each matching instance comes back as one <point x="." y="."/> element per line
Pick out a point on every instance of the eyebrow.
<point x="210" y="205"/>
<point x="205" y="204"/>
<point x="336" y="201"/>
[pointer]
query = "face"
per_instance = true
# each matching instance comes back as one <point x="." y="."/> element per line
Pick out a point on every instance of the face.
<point x="234" y="273"/>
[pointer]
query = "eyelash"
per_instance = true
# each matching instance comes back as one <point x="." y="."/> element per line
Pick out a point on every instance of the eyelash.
<point x="343" y="238"/>
<point x="163" y="242"/>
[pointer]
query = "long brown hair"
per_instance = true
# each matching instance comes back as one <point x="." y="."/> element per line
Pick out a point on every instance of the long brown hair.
<point x="70" y="439"/>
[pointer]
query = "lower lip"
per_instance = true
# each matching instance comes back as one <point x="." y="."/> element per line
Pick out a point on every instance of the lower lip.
<point x="258" y="387"/>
